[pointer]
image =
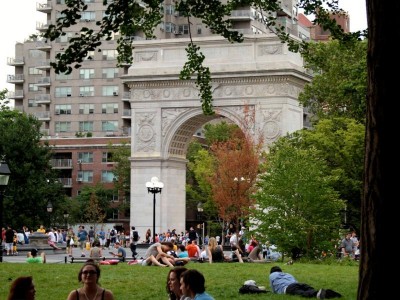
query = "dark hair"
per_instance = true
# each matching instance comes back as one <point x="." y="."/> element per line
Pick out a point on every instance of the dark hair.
<point x="275" y="269"/>
<point x="168" y="244"/>
<point x="89" y="262"/>
<point x="178" y="273"/>
<point x="19" y="288"/>
<point x="182" y="247"/>
<point x="34" y="252"/>
<point x="194" y="280"/>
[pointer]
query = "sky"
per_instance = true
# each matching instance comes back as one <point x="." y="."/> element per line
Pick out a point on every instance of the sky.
<point x="18" y="20"/>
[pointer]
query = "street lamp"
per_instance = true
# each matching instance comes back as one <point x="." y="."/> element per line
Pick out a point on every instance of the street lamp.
<point x="49" y="210"/>
<point x="4" y="177"/>
<point x="200" y="211"/>
<point x="154" y="186"/>
<point x="66" y="215"/>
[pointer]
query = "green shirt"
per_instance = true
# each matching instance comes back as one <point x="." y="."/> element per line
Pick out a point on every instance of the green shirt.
<point x="34" y="260"/>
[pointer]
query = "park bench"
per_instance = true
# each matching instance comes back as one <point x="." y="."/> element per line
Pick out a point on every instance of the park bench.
<point x="84" y="259"/>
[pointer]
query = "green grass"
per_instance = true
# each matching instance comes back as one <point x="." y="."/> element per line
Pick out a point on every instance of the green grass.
<point x="55" y="281"/>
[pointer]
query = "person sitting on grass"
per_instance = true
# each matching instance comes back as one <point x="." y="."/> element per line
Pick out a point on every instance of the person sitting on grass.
<point x="32" y="257"/>
<point x="156" y="255"/>
<point x="285" y="283"/>
<point x="121" y="254"/>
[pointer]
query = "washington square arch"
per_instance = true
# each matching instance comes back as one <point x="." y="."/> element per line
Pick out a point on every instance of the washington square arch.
<point x="260" y="74"/>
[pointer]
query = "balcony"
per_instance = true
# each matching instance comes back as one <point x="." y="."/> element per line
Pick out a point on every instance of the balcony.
<point x="44" y="7"/>
<point x="43" y="65"/>
<point x="17" y="78"/>
<point x="43" y="115"/>
<point x="42" y="27"/>
<point x="241" y="15"/>
<point x="126" y="96"/>
<point x="43" y="99"/>
<point x="61" y="163"/>
<point x="45" y="132"/>
<point x="43" y="45"/>
<point x="126" y="131"/>
<point x="16" y="95"/>
<point x="18" y="61"/>
<point x="126" y="114"/>
<point x="43" y="81"/>
<point x="66" y="182"/>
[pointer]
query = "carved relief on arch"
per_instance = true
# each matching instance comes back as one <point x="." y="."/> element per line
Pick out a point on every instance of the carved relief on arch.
<point x="272" y="120"/>
<point x="146" y="136"/>
<point x="246" y="116"/>
<point x="168" y="116"/>
<point x="270" y="49"/>
<point x="146" y="56"/>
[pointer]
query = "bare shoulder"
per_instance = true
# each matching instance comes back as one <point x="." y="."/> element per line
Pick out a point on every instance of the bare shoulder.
<point x="72" y="295"/>
<point x="108" y="295"/>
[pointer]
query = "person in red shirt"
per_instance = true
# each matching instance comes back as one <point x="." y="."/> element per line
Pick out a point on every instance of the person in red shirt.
<point x="193" y="249"/>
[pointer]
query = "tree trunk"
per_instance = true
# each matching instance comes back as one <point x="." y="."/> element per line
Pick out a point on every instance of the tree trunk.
<point x="379" y="175"/>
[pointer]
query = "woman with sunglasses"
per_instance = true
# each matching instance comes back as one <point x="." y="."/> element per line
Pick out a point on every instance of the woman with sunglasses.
<point x="89" y="275"/>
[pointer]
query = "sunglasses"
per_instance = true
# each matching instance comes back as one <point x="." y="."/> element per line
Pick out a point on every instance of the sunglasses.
<point x="89" y="272"/>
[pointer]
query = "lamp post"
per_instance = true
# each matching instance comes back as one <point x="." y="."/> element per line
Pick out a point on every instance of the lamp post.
<point x="200" y="211"/>
<point x="154" y="186"/>
<point x="66" y="215"/>
<point x="49" y="210"/>
<point x="4" y="177"/>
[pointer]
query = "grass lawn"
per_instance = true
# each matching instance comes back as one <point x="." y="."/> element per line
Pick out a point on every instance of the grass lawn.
<point x="223" y="280"/>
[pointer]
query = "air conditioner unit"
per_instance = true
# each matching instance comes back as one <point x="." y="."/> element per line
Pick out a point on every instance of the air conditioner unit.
<point x="178" y="32"/>
<point x="79" y="161"/>
<point x="79" y="179"/>
<point x="81" y="95"/>
<point x="68" y="95"/>
<point x="57" y="112"/>
<point x="115" y="93"/>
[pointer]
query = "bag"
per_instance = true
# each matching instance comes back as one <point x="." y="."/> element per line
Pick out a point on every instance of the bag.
<point x="87" y="245"/>
<point x="135" y="236"/>
<point x="71" y="242"/>
<point x="112" y="232"/>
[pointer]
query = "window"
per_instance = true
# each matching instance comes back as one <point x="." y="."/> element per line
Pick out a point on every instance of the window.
<point x="109" y="108"/>
<point x="106" y="157"/>
<point x="86" y="109"/>
<point x="169" y="9"/>
<point x="89" y="56"/>
<point x="63" y="76"/>
<point x="169" y="27"/>
<point x="64" y="38"/>
<point x="86" y="73"/>
<point x="86" y="91"/>
<point x="183" y="29"/>
<point x="32" y="103"/>
<point x="63" y="91"/>
<point x="199" y="29"/>
<point x="34" y="71"/>
<point x="62" y="126"/>
<point x="85" y="157"/>
<point x="85" y="176"/>
<point x="110" y="73"/>
<point x="33" y="53"/>
<point x="107" y="176"/>
<point x="87" y="16"/>
<point x="32" y="87"/>
<point x="63" y="109"/>
<point x="86" y="126"/>
<point x="109" y="125"/>
<point x="110" y="90"/>
<point x="109" y="54"/>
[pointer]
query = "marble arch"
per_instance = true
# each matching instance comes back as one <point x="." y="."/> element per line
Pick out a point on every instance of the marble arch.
<point x="259" y="76"/>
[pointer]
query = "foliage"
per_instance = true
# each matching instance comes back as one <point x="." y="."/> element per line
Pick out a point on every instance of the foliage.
<point x="340" y="143"/>
<point x="130" y="16"/>
<point x="33" y="182"/>
<point x="339" y="86"/>
<point x="95" y="198"/>
<point x="222" y="280"/>
<point x="296" y="205"/>
<point x="122" y="168"/>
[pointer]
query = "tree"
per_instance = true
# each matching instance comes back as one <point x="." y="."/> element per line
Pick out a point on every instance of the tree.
<point x="339" y="85"/>
<point x="340" y="143"/>
<point x="122" y="168"/>
<point x="33" y="181"/>
<point x="94" y="213"/>
<point x="296" y="206"/>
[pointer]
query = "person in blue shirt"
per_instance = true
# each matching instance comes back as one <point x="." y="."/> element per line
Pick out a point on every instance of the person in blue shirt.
<point x="192" y="285"/>
<point x="285" y="283"/>
<point x="121" y="253"/>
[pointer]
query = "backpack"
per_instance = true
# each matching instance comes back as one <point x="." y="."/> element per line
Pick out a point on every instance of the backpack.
<point x="112" y="232"/>
<point x="135" y="236"/>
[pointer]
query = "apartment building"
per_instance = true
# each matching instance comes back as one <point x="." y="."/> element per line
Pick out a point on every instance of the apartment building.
<point x="84" y="111"/>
